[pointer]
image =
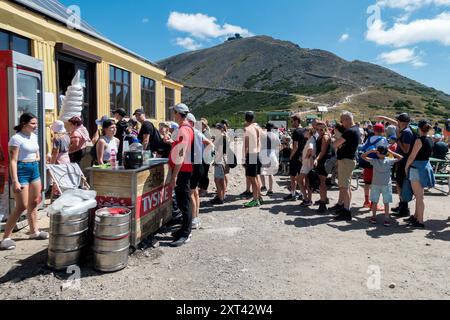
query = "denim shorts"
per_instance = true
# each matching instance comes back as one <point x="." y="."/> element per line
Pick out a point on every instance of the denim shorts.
<point x="219" y="171"/>
<point x="414" y="174"/>
<point x="377" y="191"/>
<point x="28" y="172"/>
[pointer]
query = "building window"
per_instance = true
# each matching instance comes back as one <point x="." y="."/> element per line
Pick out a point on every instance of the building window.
<point x="12" y="41"/>
<point x="119" y="89"/>
<point x="170" y="102"/>
<point x="148" y="96"/>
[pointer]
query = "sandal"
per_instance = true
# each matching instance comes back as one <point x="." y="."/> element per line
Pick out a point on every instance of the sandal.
<point x="8" y="244"/>
<point x="41" y="235"/>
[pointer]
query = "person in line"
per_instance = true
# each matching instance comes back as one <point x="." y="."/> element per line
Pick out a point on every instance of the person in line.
<point x="295" y="162"/>
<point x="165" y="146"/>
<point x="420" y="172"/>
<point x="252" y="148"/>
<point x="200" y="143"/>
<point x="405" y="142"/>
<point x="204" y="181"/>
<point x="122" y="130"/>
<point x="148" y="135"/>
<point x="346" y="147"/>
<point x="372" y="143"/>
<point x="285" y="154"/>
<point x="324" y="149"/>
<point x="60" y="144"/>
<point x="381" y="181"/>
<point x="440" y="149"/>
<point x="308" y="156"/>
<point x="437" y="129"/>
<point x="26" y="179"/>
<point x="79" y="138"/>
<point x="60" y="148"/>
<point x="181" y="169"/>
<point x="270" y="163"/>
<point x="447" y="131"/>
<point x="220" y="161"/>
<point x="108" y="143"/>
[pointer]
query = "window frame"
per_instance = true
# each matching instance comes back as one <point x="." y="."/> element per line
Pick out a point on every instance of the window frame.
<point x="148" y="97"/>
<point x="11" y="36"/>
<point x="169" y="102"/>
<point x="113" y="84"/>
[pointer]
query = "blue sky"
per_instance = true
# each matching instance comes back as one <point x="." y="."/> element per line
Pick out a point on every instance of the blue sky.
<point x="411" y="37"/>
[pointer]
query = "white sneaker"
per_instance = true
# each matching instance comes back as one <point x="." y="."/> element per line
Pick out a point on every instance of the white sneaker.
<point x="41" y="235"/>
<point x="8" y="244"/>
<point x="196" y="223"/>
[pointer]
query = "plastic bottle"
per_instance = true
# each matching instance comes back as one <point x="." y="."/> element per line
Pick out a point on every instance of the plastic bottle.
<point x="113" y="160"/>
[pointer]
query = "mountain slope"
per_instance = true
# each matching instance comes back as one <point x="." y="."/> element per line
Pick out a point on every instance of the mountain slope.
<point x="265" y="74"/>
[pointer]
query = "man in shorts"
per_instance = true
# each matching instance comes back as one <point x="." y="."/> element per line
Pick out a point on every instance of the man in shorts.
<point x="252" y="148"/>
<point x="346" y="147"/>
<point x="295" y="160"/>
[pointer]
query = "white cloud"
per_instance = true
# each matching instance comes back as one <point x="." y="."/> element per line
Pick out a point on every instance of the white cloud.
<point x="145" y="20"/>
<point x="203" y="26"/>
<point x="344" y="37"/>
<point x="411" y="5"/>
<point x="188" y="43"/>
<point x="401" y="56"/>
<point x="404" y="34"/>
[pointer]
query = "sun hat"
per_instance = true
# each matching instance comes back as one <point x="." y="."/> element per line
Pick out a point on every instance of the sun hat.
<point x="58" y="127"/>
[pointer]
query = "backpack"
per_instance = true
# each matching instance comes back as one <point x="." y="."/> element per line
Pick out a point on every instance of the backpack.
<point x="314" y="180"/>
<point x="367" y="147"/>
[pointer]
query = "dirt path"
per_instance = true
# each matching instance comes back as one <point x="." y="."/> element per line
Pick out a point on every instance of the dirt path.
<point x="275" y="252"/>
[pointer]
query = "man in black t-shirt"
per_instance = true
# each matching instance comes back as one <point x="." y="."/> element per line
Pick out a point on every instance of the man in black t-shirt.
<point x="346" y="147"/>
<point x="148" y="135"/>
<point x="122" y="127"/>
<point x="295" y="160"/>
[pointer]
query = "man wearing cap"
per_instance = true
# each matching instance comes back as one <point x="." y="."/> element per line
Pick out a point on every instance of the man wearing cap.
<point x="405" y="143"/>
<point x="378" y="140"/>
<point x="148" y="135"/>
<point x="122" y="127"/>
<point x="181" y="168"/>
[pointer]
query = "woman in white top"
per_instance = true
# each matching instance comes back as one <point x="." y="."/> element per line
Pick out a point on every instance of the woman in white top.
<point x="26" y="179"/>
<point x="107" y="143"/>
<point x="308" y="156"/>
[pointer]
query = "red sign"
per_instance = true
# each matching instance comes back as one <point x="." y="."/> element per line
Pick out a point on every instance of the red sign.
<point x="153" y="200"/>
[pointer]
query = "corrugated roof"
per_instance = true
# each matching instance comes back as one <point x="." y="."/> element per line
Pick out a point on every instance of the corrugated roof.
<point x="58" y="12"/>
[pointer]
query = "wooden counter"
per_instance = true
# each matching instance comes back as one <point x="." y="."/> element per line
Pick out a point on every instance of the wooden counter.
<point x="144" y="190"/>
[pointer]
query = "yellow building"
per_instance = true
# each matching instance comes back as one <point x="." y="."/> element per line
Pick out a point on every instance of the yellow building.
<point x="113" y="77"/>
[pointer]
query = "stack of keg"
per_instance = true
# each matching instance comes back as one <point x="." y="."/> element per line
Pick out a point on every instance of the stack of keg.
<point x="68" y="239"/>
<point x="112" y="239"/>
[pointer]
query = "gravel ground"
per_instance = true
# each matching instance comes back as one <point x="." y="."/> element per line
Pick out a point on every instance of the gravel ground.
<point x="278" y="251"/>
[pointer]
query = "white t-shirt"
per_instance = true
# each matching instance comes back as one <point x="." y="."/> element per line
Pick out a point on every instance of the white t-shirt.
<point x="28" y="146"/>
<point x="310" y="144"/>
<point x="199" y="138"/>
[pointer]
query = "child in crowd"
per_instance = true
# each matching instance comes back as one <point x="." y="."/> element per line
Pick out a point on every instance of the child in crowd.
<point x="285" y="155"/>
<point x="309" y="154"/>
<point x="381" y="182"/>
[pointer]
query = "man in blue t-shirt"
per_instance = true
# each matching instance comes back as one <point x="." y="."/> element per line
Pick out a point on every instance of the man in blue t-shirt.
<point x="405" y="143"/>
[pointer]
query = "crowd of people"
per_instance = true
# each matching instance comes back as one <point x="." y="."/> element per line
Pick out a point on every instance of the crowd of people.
<point x="386" y="151"/>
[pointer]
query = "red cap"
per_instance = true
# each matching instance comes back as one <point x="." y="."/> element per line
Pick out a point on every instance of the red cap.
<point x="378" y="127"/>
